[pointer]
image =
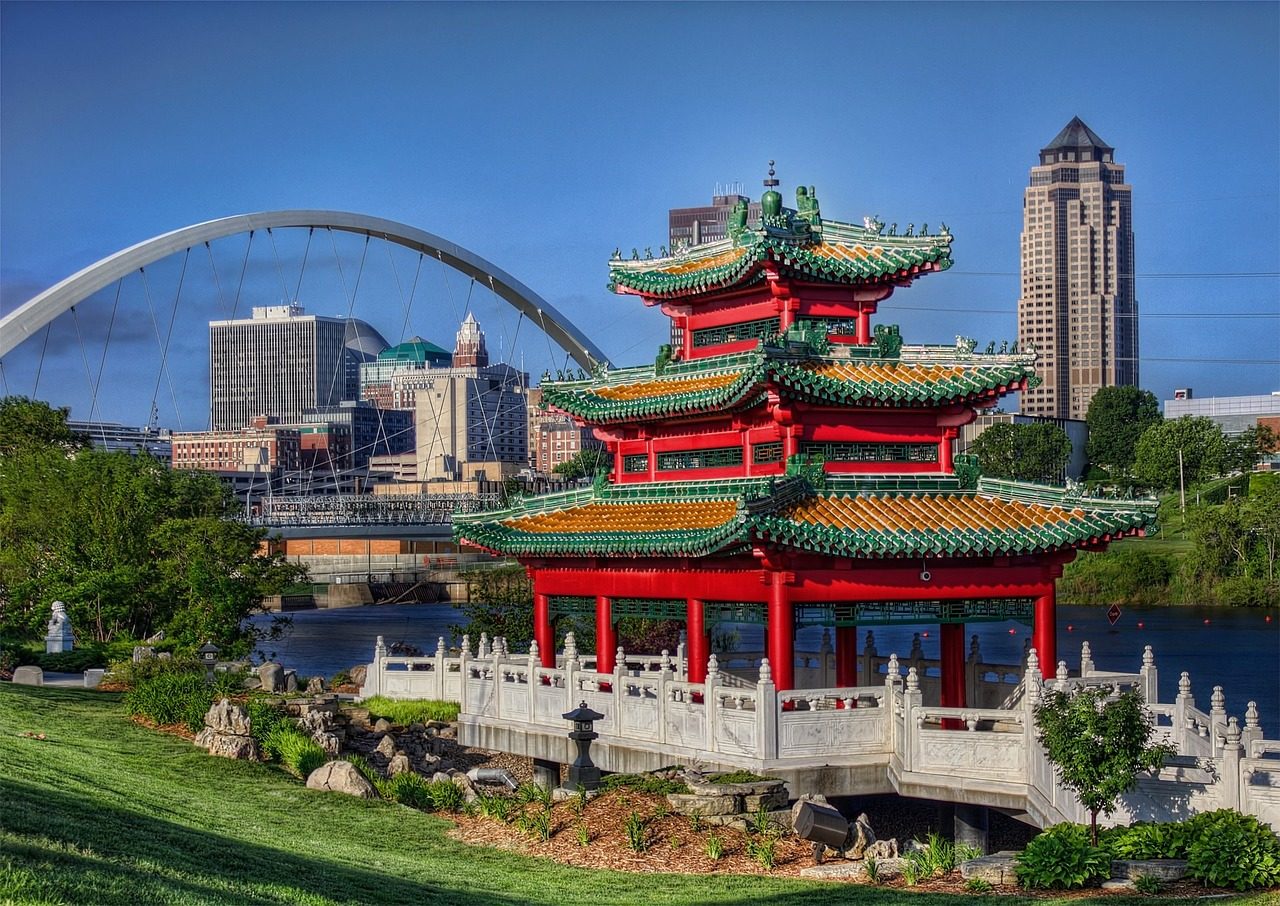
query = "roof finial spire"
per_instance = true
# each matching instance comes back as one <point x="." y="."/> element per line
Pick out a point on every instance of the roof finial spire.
<point x="771" y="181"/>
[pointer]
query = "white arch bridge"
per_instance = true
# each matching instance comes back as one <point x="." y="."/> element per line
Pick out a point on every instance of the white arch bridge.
<point x="25" y="321"/>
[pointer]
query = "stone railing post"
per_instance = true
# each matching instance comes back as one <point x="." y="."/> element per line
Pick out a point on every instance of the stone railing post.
<point x="1062" y="676"/>
<point x="869" y="659"/>
<point x="373" y="674"/>
<point x="1217" y="718"/>
<point x="911" y="721"/>
<point x="826" y="677"/>
<point x="535" y="678"/>
<point x="711" y="702"/>
<point x="439" y="670"/>
<point x="1031" y="688"/>
<point x="464" y="670"/>
<point x="483" y="652"/>
<point x="1252" y="729"/>
<point x="570" y="646"/>
<point x="1150" y="689"/>
<point x="1230" y="771"/>
<point x="1086" y="661"/>
<point x="1181" y="706"/>
<point x="892" y="703"/>
<point x="571" y="667"/>
<point x="619" y="688"/>
<point x="766" y="713"/>
<point x="682" y="659"/>
<point x="916" y="657"/>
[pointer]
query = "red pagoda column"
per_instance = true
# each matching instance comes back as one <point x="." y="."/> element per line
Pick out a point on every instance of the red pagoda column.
<point x="1044" y="632"/>
<point x="864" y="326"/>
<point x="542" y="630"/>
<point x="945" y="462"/>
<point x="953" y="665"/>
<point x="606" y="638"/>
<point x="846" y="655"/>
<point x="698" y="650"/>
<point x="781" y="632"/>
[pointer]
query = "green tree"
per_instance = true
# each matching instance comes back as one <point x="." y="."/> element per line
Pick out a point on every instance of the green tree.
<point x="584" y="464"/>
<point x="1200" y="441"/>
<point x="1245" y="449"/>
<point x="1117" y="416"/>
<point x="131" y="546"/>
<point x="1099" y="740"/>
<point x="27" y="424"/>
<point x="1037" y="452"/>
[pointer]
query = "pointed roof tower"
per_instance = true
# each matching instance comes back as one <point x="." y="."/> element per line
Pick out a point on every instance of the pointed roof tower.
<point x="1076" y="139"/>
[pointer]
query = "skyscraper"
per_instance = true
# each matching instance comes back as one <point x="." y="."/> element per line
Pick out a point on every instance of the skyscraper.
<point x="282" y="361"/>
<point x="709" y="223"/>
<point x="1077" y="305"/>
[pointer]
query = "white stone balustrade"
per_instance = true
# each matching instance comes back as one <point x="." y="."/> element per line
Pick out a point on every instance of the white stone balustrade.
<point x="740" y="719"/>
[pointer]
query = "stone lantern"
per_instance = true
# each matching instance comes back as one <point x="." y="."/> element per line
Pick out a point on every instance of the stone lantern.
<point x="583" y="775"/>
<point x="209" y="657"/>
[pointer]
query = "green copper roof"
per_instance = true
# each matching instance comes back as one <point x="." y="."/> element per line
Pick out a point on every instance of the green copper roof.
<point x="415" y="351"/>
<point x="848" y="517"/>
<point x="799" y="243"/>
<point x="915" y="376"/>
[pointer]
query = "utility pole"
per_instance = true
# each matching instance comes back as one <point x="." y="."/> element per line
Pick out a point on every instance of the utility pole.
<point x="1182" y="484"/>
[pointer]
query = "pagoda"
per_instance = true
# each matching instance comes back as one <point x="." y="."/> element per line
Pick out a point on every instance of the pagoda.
<point x="784" y="462"/>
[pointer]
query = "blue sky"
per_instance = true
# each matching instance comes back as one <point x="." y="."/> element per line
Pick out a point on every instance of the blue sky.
<point x="541" y="136"/>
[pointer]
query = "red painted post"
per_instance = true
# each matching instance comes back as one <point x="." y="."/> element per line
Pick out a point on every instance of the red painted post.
<point x="542" y="630"/>
<point x="781" y="633"/>
<point x="864" y="326"/>
<point x="606" y="638"/>
<point x="953" y="695"/>
<point x="1044" y="633"/>
<point x="698" y="647"/>
<point x="846" y="655"/>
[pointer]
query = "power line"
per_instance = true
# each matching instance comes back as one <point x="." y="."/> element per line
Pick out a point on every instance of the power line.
<point x="1142" y="315"/>
<point x="1168" y="275"/>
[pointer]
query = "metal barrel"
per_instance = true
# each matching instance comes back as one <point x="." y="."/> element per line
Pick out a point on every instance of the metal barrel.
<point x="821" y="824"/>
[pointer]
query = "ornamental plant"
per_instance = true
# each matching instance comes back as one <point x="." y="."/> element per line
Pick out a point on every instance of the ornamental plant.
<point x="1234" y="850"/>
<point x="1062" y="857"/>
<point x="1099" y="741"/>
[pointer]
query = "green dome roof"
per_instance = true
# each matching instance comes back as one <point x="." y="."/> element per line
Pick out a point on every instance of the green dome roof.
<point x="416" y="350"/>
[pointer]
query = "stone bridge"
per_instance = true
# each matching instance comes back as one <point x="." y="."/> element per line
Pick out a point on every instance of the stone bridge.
<point x="876" y="737"/>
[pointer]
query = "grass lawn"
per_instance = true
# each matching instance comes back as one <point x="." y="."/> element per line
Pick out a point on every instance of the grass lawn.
<point x="103" y="812"/>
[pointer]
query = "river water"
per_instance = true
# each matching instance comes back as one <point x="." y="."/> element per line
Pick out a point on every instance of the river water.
<point x="1233" y="647"/>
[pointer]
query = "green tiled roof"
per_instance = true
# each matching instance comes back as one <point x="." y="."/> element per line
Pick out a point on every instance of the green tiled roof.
<point x="827" y="251"/>
<point x="851" y="517"/>
<point x="919" y="376"/>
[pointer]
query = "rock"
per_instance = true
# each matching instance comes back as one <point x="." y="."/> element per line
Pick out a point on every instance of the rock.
<point x="291" y="681"/>
<point x="428" y="764"/>
<point x="252" y="682"/>
<point x="1122" y="884"/>
<point x="165" y="656"/>
<point x="93" y="677"/>
<point x="315" y="685"/>
<point x="272" y="677"/>
<point x="227" y="745"/>
<point x="382" y="726"/>
<point x="142" y="652"/>
<point x="399" y="764"/>
<point x="227" y="719"/>
<point x="1164" y="869"/>
<point x="863" y="836"/>
<point x="386" y="746"/>
<point x="772" y="801"/>
<point x="914" y="846"/>
<point x="341" y="777"/>
<point x="330" y="742"/>
<point x="694" y="804"/>
<point x="882" y="849"/>
<point x="886" y="869"/>
<point x="28" y="676"/>
<point x="358" y="674"/>
<point x="463" y="782"/>
<point x="441" y="777"/>
<point x="996" y="868"/>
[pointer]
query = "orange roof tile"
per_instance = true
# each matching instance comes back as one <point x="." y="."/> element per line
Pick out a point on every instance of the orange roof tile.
<point x="630" y="517"/>
<point x="648" y="389"/>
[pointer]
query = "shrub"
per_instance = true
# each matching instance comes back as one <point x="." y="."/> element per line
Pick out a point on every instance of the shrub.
<point x="227" y="683"/>
<point x="643" y="783"/>
<point x="915" y="867"/>
<point x="978" y="885"/>
<point x="264" y="716"/>
<point x="445" y="795"/>
<point x="741" y="776"/>
<point x="534" y="792"/>
<point x="583" y="834"/>
<point x="412" y="790"/>
<point x="1061" y="857"/>
<point x="764" y="849"/>
<point x="298" y="752"/>
<point x="171" y="698"/>
<point x="634" y="828"/>
<point x="536" y="823"/>
<point x="715" y="847"/>
<point x="410" y="711"/>
<point x="1147" y="884"/>
<point x="1148" y="841"/>
<point x="361" y="764"/>
<point x="872" y="868"/>
<point x="491" y="805"/>
<point x="1233" y="850"/>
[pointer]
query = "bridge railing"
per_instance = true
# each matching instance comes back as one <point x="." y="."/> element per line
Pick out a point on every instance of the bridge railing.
<point x="648" y="703"/>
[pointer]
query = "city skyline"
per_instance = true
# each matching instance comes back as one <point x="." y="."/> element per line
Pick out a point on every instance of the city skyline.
<point x="103" y="146"/>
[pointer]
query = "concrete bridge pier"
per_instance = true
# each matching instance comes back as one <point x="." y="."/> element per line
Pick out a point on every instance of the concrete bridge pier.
<point x="546" y="774"/>
<point x="971" y="825"/>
